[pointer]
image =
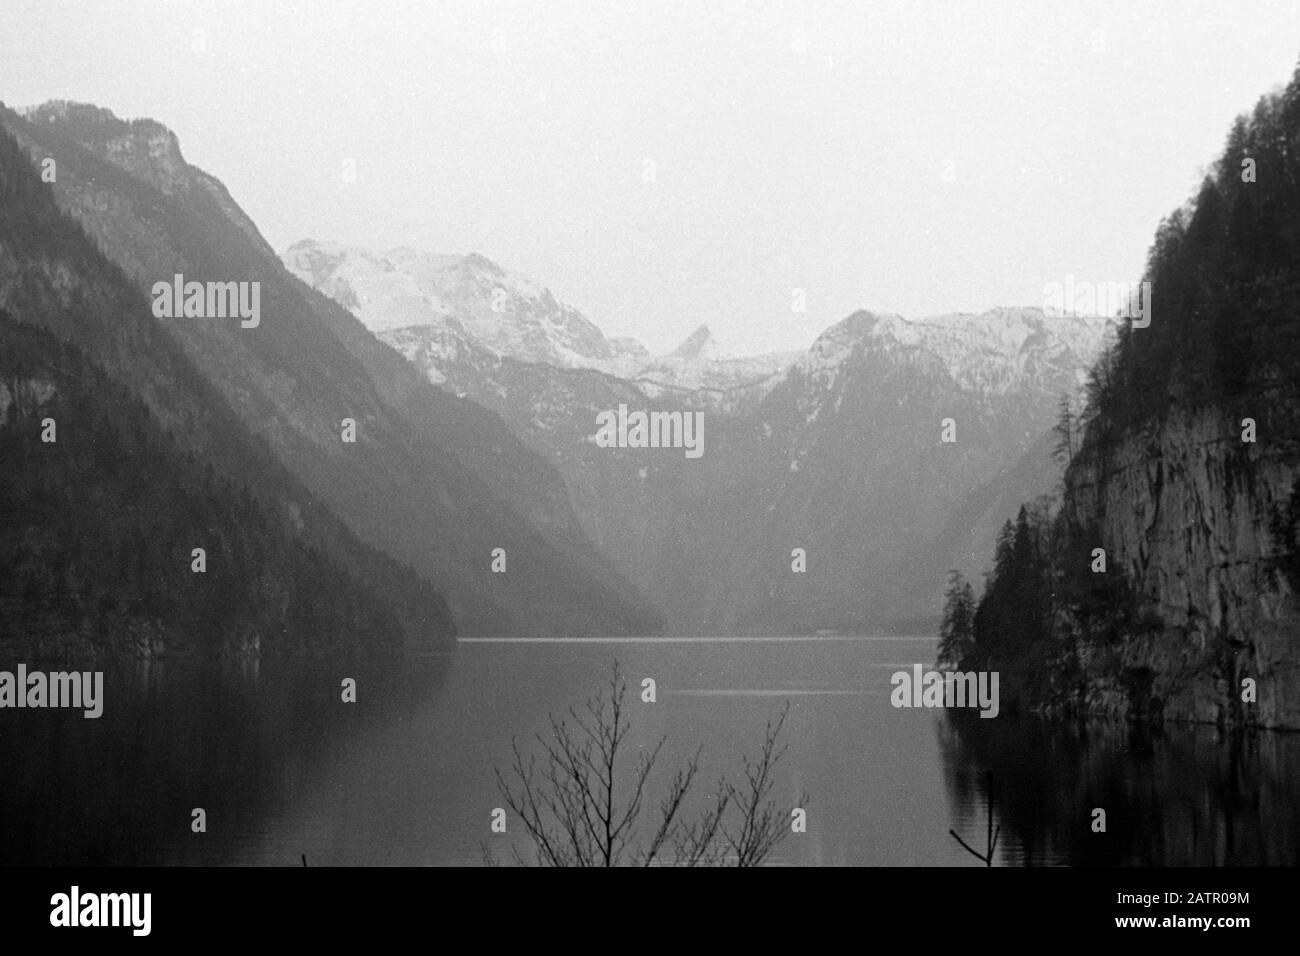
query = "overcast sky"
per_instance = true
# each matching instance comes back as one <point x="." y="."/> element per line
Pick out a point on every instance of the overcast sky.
<point x="661" y="165"/>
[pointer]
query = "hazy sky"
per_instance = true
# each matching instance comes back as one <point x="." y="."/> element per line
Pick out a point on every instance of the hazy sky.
<point x="661" y="165"/>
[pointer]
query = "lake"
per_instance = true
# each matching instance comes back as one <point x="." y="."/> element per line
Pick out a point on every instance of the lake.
<point x="404" y="776"/>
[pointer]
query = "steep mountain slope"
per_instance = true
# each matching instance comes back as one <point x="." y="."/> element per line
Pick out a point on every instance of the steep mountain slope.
<point x="1202" y="523"/>
<point x="100" y="522"/>
<point x="848" y="458"/>
<point x="836" y="451"/>
<point x="1188" y="474"/>
<point x="434" y="481"/>
<point x="99" y="528"/>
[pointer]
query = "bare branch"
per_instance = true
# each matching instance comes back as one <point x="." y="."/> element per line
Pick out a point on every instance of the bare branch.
<point x="582" y="805"/>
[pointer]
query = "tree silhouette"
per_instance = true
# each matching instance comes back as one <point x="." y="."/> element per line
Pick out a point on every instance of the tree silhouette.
<point x="1065" y="431"/>
<point x="957" y="630"/>
<point x="583" y="804"/>
<point x="991" y="839"/>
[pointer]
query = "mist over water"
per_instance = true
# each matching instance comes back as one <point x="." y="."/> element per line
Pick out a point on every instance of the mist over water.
<point x="405" y="775"/>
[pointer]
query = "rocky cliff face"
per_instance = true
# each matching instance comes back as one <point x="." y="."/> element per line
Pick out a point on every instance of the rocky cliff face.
<point x="1184" y="510"/>
<point x="1195" y="616"/>
<point x="22" y="394"/>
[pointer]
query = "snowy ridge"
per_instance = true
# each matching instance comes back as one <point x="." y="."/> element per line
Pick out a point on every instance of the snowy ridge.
<point x="703" y="365"/>
<point x="467" y="309"/>
<point x="999" y="352"/>
<point x="515" y="317"/>
<point x="508" y="313"/>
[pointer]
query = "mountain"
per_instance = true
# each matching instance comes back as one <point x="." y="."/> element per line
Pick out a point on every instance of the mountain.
<point x="704" y="373"/>
<point x="436" y="482"/>
<point x="90" y="564"/>
<point x="506" y="312"/>
<point x="699" y="345"/>
<point x="459" y="299"/>
<point x="836" y="450"/>
<point x="845" y="458"/>
<point x="114" y="469"/>
<point x="1187" y="476"/>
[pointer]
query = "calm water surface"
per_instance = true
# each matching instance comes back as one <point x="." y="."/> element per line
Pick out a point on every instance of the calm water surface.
<point x="405" y="775"/>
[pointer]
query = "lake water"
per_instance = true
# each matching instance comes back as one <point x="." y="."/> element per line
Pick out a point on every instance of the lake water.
<point x="283" y="767"/>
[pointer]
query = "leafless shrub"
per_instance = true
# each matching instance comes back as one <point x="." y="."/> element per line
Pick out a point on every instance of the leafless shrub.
<point x="581" y="804"/>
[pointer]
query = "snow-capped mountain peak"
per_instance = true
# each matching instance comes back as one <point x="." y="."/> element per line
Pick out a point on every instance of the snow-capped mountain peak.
<point x="996" y="352"/>
<point x="508" y="313"/>
<point x="469" y="305"/>
<point x="699" y="344"/>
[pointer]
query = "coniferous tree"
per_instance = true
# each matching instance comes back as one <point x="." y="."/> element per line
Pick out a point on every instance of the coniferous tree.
<point x="957" y="632"/>
<point x="1064" y="430"/>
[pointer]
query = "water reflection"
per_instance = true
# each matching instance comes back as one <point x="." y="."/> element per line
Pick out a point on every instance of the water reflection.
<point x="1173" y="796"/>
<point x="181" y="734"/>
<point x="404" y="776"/>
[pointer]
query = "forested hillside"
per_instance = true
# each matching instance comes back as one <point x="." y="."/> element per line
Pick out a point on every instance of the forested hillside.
<point x="147" y="464"/>
<point x="100" y="525"/>
<point x="436" y="482"/>
<point x="1164" y="583"/>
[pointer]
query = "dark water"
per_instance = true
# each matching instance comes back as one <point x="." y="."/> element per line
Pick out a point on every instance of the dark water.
<point x="405" y="775"/>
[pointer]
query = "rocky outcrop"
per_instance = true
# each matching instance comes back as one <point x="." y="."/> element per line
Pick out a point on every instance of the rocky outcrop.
<point x="22" y="394"/>
<point x="1185" y="508"/>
